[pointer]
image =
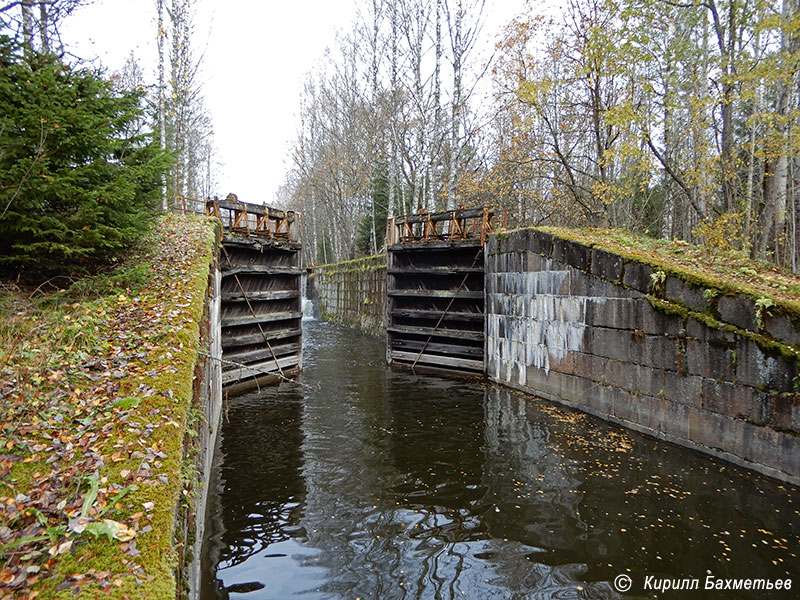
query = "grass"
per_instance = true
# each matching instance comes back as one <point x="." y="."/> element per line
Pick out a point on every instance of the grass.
<point x="96" y="385"/>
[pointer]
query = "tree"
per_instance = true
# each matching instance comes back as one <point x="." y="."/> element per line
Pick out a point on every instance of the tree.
<point x="183" y="123"/>
<point x="39" y="21"/>
<point x="78" y="179"/>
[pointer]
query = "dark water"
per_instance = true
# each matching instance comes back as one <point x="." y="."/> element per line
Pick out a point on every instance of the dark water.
<point x="366" y="483"/>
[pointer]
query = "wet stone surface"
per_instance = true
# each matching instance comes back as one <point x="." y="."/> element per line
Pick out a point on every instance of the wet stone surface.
<point x="365" y="483"/>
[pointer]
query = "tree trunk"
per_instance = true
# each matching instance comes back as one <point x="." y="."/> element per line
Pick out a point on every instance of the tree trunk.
<point x="438" y="136"/>
<point x="27" y="26"/>
<point x="393" y="176"/>
<point x="162" y="126"/>
<point x="772" y="217"/>
<point x="44" y="36"/>
<point x="455" y="108"/>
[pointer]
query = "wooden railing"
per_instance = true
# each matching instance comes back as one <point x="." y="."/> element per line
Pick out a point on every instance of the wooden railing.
<point x="452" y="226"/>
<point x="261" y="221"/>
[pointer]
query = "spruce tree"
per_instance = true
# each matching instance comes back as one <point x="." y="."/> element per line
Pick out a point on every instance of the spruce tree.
<point x="78" y="184"/>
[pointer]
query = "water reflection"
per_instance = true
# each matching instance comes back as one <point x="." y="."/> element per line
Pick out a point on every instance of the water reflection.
<point x="365" y="483"/>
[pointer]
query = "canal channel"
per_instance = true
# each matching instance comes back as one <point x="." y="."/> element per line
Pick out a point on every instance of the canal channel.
<point x="362" y="482"/>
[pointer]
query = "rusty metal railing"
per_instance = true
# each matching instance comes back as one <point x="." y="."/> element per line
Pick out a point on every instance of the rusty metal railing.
<point x="254" y="220"/>
<point x="450" y="226"/>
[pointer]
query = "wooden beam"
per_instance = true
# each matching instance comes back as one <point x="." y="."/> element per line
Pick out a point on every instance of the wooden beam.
<point x="260" y="270"/>
<point x="237" y="295"/>
<point x="261" y="354"/>
<point x="469" y="213"/>
<point x="432" y="359"/>
<point x="229" y="341"/>
<point x="426" y="331"/>
<point x="262" y="318"/>
<point x="257" y="243"/>
<point x="444" y="245"/>
<point x="450" y="270"/>
<point x="477" y="294"/>
<point x="267" y="367"/>
<point x="403" y="344"/>
<point x="256" y="209"/>
<point x="435" y="314"/>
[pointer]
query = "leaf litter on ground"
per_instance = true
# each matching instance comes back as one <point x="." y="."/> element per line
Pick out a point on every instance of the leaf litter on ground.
<point x="90" y="406"/>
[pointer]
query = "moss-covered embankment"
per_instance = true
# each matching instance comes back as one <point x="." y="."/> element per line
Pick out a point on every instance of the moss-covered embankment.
<point x="680" y="342"/>
<point x="352" y="293"/>
<point x="100" y="409"/>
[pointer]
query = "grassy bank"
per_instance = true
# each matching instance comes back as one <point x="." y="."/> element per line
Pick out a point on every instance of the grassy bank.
<point x="95" y="395"/>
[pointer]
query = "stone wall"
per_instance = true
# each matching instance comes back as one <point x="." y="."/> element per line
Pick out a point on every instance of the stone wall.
<point x="352" y="293"/>
<point x="208" y="402"/>
<point x="586" y="328"/>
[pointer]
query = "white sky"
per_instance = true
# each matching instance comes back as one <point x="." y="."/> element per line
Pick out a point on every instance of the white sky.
<point x="256" y="54"/>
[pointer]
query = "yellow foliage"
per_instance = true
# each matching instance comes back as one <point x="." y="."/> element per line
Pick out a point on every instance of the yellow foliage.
<point x="726" y="232"/>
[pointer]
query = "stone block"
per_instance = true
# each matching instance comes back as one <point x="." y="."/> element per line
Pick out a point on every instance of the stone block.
<point x="685" y="293"/>
<point x="655" y="322"/>
<point x="678" y="388"/>
<point x="601" y="400"/>
<point x="763" y="445"/>
<point x="517" y="241"/>
<point x="716" y="431"/>
<point x="572" y="253"/>
<point x="541" y="243"/>
<point x="697" y="329"/>
<point x="725" y="398"/>
<point x="781" y="411"/>
<point x="554" y="384"/>
<point x="588" y="285"/>
<point x="788" y="454"/>
<point x="783" y="328"/>
<point x="536" y="262"/>
<point x="670" y="418"/>
<point x="617" y="313"/>
<point x="710" y="360"/>
<point x="738" y="311"/>
<point x="765" y="369"/>
<point x="491" y="246"/>
<point x="607" y="265"/>
<point x="637" y="276"/>
<point x="661" y="352"/>
<point x="580" y="284"/>
<point x="634" y="408"/>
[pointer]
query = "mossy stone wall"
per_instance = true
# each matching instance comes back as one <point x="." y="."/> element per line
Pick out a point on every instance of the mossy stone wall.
<point x="619" y="339"/>
<point x="352" y="293"/>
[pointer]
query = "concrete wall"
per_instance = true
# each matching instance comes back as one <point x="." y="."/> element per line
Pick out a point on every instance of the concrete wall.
<point x="584" y="328"/>
<point x="352" y="293"/>
<point x="208" y="398"/>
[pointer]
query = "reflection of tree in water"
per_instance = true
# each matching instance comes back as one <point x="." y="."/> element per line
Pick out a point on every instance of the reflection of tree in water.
<point x="259" y="488"/>
<point x="388" y="485"/>
<point x="589" y="493"/>
<point x="437" y="450"/>
<point x="536" y="490"/>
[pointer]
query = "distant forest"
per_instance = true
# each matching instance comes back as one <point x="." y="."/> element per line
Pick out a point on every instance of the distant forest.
<point x="675" y="119"/>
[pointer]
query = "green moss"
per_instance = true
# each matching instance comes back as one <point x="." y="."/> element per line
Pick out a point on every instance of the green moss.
<point x="718" y="272"/>
<point x="161" y="354"/>
<point x="763" y="341"/>
<point x="667" y="307"/>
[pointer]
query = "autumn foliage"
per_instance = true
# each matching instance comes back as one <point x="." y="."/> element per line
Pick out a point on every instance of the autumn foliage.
<point x="95" y="397"/>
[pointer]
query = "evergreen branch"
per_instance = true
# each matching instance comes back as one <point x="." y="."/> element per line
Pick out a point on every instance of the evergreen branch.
<point x="39" y="155"/>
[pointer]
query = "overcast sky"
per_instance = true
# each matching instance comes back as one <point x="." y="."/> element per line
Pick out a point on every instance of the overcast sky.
<point x="256" y="54"/>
